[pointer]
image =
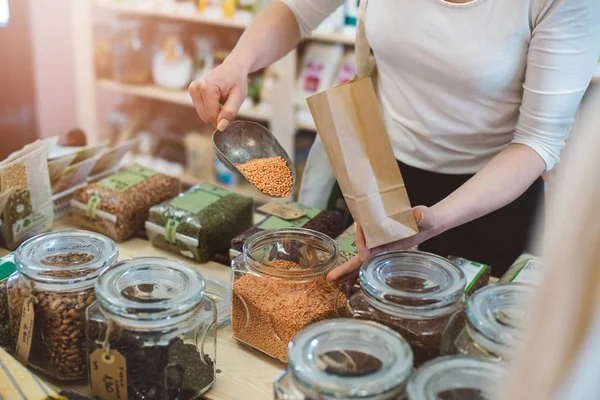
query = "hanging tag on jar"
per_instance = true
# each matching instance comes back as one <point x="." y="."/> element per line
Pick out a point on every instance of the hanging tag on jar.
<point x="108" y="375"/>
<point x="25" y="331"/>
<point x="284" y="211"/>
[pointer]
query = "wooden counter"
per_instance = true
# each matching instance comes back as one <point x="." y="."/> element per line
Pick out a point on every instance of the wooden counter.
<point x="246" y="374"/>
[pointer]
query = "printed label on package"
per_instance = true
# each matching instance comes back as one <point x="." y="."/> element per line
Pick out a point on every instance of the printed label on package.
<point x="274" y="222"/>
<point x="530" y="273"/>
<point x="471" y="269"/>
<point x="199" y="198"/>
<point x="127" y="179"/>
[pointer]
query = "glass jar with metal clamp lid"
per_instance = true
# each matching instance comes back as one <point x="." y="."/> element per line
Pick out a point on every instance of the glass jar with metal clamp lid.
<point x="153" y="312"/>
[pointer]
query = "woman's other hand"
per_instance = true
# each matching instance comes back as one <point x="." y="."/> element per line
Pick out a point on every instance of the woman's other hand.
<point x="227" y="84"/>
<point x="429" y="226"/>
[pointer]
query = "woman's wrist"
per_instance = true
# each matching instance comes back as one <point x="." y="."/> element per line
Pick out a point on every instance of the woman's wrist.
<point x="445" y="217"/>
<point x="238" y="63"/>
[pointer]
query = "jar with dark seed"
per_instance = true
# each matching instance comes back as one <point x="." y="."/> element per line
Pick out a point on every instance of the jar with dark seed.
<point x="345" y="359"/>
<point x="419" y="295"/>
<point x="457" y="378"/>
<point x="155" y="313"/>
<point x="57" y="271"/>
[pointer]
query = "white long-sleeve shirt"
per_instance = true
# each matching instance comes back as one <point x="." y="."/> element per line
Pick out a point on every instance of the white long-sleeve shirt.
<point x="459" y="82"/>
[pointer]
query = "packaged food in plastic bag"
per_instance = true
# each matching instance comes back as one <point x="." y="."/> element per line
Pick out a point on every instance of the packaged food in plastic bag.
<point x="199" y="222"/>
<point x="118" y="205"/>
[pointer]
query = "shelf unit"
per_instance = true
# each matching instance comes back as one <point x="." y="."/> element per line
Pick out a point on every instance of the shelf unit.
<point x="280" y="112"/>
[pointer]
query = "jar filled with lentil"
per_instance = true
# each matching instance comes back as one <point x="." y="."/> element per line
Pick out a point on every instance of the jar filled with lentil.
<point x="457" y="378"/>
<point x="55" y="275"/>
<point x="279" y="287"/>
<point x="156" y="314"/>
<point x="345" y="359"/>
<point x="418" y="294"/>
<point x="495" y="317"/>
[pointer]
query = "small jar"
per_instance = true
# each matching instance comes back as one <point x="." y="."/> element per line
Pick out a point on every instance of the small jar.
<point x="456" y="378"/>
<point x="131" y="52"/>
<point x="155" y="313"/>
<point x="495" y="316"/>
<point x="57" y="271"/>
<point x="172" y="65"/>
<point x="279" y="287"/>
<point x="419" y="295"/>
<point x="345" y="359"/>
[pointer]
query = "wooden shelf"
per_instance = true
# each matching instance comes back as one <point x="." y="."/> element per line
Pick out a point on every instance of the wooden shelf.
<point x="259" y="113"/>
<point x="212" y="17"/>
<point x="334" y="37"/>
<point x="130" y="7"/>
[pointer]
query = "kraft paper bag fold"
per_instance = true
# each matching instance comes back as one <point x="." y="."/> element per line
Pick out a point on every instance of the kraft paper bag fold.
<point x="351" y="128"/>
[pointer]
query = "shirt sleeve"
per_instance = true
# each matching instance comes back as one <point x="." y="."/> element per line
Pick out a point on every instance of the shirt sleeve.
<point x="310" y="13"/>
<point x="562" y="58"/>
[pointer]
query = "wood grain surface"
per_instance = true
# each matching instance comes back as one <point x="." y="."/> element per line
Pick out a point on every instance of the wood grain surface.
<point x="246" y="374"/>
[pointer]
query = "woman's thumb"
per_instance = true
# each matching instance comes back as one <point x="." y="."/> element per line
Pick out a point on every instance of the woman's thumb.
<point x="423" y="216"/>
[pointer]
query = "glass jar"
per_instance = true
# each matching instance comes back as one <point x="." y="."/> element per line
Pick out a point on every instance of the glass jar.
<point x="103" y="51"/>
<point x="131" y="52"/>
<point x="495" y="316"/>
<point x="57" y="271"/>
<point x="419" y="295"/>
<point x="279" y="287"/>
<point x="345" y="359"/>
<point x="456" y="378"/>
<point x="172" y="65"/>
<point x="155" y="313"/>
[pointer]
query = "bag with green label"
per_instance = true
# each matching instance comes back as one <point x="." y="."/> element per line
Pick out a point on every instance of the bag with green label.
<point x="200" y="222"/>
<point x="118" y="205"/>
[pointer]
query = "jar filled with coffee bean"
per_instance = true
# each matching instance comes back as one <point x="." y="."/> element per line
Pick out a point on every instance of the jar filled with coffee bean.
<point x="420" y="295"/>
<point x="279" y="287"/>
<point x="156" y="314"/>
<point x="457" y="378"/>
<point x="495" y="318"/>
<point x="55" y="279"/>
<point x="345" y="359"/>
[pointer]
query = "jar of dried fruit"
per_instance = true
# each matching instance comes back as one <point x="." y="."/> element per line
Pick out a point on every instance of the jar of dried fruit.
<point x="345" y="359"/>
<point x="456" y="378"/>
<point x="279" y="287"/>
<point x="155" y="313"/>
<point x="48" y="296"/>
<point x="495" y="316"/>
<point x="131" y="51"/>
<point x="420" y="295"/>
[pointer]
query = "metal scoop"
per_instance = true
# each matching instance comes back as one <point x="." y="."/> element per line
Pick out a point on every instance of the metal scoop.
<point x="243" y="141"/>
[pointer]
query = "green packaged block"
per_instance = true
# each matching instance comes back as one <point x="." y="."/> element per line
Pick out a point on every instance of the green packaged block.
<point x="7" y="267"/>
<point x="200" y="222"/>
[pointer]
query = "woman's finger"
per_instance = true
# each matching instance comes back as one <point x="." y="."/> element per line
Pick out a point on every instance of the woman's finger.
<point x="230" y="108"/>
<point x="196" y="95"/>
<point x="344" y="270"/>
<point x="211" y="98"/>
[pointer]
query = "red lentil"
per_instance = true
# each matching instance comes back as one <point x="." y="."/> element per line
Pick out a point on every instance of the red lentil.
<point x="271" y="176"/>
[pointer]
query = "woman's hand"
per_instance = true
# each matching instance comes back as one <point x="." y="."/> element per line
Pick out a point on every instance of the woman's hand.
<point x="429" y="224"/>
<point x="227" y="84"/>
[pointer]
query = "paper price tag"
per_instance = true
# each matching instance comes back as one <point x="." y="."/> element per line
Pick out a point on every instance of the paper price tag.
<point x="284" y="211"/>
<point x="108" y="373"/>
<point x="25" y="330"/>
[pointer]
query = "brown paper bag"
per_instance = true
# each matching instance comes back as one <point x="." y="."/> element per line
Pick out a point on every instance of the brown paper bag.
<point x="350" y="125"/>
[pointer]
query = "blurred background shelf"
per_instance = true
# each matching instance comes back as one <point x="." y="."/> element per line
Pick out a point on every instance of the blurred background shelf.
<point x="256" y="112"/>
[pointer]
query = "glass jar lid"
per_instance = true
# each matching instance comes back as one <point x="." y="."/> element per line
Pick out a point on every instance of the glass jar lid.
<point x="292" y="253"/>
<point x="150" y="291"/>
<point x="66" y="257"/>
<point x="346" y="358"/>
<point x="496" y="314"/>
<point x="412" y="281"/>
<point x="456" y="378"/>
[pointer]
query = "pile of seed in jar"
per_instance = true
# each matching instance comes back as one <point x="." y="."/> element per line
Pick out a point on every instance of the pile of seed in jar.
<point x="271" y="176"/>
<point x="268" y="312"/>
<point x="159" y="370"/>
<point x="58" y="335"/>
